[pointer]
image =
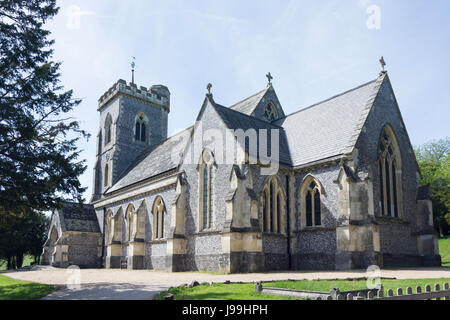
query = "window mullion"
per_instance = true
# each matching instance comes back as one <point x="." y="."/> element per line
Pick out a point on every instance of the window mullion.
<point x="391" y="182"/>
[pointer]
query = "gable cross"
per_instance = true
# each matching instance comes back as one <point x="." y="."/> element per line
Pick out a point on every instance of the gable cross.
<point x="269" y="77"/>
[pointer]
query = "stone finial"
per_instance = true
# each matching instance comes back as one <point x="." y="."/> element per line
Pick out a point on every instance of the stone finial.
<point x="383" y="64"/>
<point x="208" y="87"/>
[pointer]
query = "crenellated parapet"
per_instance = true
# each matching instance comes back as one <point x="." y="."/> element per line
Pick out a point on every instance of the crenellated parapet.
<point x="157" y="95"/>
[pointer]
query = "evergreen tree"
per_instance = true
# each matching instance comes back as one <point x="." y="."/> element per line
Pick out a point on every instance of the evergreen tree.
<point x="39" y="166"/>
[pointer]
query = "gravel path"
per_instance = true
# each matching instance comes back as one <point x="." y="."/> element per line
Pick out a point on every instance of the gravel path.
<point x="143" y="284"/>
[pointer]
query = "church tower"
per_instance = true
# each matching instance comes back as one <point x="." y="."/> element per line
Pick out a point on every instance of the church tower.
<point x="132" y="119"/>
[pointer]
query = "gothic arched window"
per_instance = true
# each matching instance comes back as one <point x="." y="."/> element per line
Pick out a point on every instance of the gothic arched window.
<point x="130" y="218"/>
<point x="389" y="168"/>
<point x="109" y="225"/>
<point x="206" y="190"/>
<point x="311" y="203"/>
<point x="272" y="206"/>
<point x="108" y="129"/>
<point x="115" y="227"/>
<point x="159" y="211"/>
<point x="140" y="132"/>
<point x="270" y="112"/>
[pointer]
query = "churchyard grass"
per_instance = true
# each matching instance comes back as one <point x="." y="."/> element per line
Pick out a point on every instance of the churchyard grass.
<point x="247" y="291"/>
<point x="11" y="289"/>
<point x="219" y="291"/>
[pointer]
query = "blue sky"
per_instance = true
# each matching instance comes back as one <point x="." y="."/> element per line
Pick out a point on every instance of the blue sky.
<point x="314" y="50"/>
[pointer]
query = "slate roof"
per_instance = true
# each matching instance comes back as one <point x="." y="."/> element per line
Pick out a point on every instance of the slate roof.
<point x="326" y="129"/>
<point x="79" y="218"/>
<point x="237" y="120"/>
<point x="155" y="160"/>
<point x="248" y="105"/>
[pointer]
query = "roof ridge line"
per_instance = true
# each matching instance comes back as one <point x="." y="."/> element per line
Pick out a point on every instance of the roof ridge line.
<point x="364" y="114"/>
<point x="253" y="95"/>
<point x="326" y="100"/>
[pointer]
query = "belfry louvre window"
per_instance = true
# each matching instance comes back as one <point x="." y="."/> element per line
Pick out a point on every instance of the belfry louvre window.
<point x="140" y="130"/>
<point x="106" y="176"/>
<point x="159" y="211"/>
<point x="206" y="191"/>
<point x="389" y="168"/>
<point x="108" y="125"/>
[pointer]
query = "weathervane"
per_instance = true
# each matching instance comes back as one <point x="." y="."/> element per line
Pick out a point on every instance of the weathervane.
<point x="383" y="64"/>
<point x="133" y="64"/>
<point x="269" y="78"/>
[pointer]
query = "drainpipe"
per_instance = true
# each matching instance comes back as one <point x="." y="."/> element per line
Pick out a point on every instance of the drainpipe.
<point x="288" y="223"/>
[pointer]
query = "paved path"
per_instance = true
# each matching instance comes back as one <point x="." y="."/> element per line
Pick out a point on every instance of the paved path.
<point x="107" y="292"/>
<point x="143" y="284"/>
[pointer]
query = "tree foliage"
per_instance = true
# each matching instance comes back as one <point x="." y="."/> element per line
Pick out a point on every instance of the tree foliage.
<point x="434" y="162"/>
<point x="39" y="166"/>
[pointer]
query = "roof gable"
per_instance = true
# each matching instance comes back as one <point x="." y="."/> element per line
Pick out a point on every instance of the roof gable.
<point x="248" y="105"/>
<point x="255" y="105"/>
<point x="236" y="120"/>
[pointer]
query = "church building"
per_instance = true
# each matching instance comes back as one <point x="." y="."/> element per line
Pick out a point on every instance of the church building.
<point x="248" y="188"/>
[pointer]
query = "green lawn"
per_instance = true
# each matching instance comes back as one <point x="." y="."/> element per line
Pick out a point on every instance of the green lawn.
<point x="444" y="251"/>
<point x="11" y="289"/>
<point x="246" y="291"/>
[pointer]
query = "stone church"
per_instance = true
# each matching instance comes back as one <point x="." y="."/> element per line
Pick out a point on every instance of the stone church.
<point x="339" y="190"/>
